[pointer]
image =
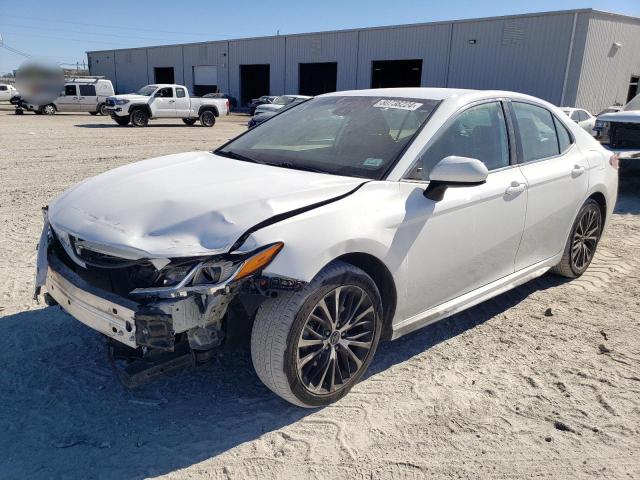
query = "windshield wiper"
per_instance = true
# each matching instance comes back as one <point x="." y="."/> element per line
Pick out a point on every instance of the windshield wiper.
<point x="294" y="166"/>
<point x="237" y="156"/>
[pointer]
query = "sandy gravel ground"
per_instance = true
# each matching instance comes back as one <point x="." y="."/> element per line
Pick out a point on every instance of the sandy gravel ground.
<point x="542" y="382"/>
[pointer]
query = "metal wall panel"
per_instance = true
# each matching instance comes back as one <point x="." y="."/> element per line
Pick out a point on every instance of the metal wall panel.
<point x="606" y="70"/>
<point x="340" y="47"/>
<point x="269" y="50"/>
<point x="526" y="54"/>
<point x="169" y="56"/>
<point x="131" y="70"/>
<point x="210" y="53"/>
<point x="103" y="64"/>
<point x="427" y="42"/>
<point x="575" y="60"/>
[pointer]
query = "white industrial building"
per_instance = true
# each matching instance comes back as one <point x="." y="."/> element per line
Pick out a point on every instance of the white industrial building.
<point x="584" y="58"/>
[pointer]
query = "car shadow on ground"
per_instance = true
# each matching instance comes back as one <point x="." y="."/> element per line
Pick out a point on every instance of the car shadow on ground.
<point x="65" y="415"/>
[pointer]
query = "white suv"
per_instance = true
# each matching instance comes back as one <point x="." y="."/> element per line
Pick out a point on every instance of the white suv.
<point x="350" y="218"/>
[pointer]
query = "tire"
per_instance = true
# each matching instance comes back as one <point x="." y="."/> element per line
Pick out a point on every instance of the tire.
<point x="139" y="118"/>
<point x="122" y="121"/>
<point x="207" y="118"/>
<point x="189" y="121"/>
<point x="102" y="110"/>
<point x="49" y="109"/>
<point x="282" y="322"/>
<point x="582" y="242"/>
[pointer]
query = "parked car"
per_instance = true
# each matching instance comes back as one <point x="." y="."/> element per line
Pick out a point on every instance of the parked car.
<point x="233" y="101"/>
<point x="79" y="95"/>
<point x="355" y="217"/>
<point x="278" y="103"/>
<point x="165" y="101"/>
<point x="260" y="101"/>
<point x="7" y="92"/>
<point x="611" y="109"/>
<point x="261" y="117"/>
<point x="621" y="129"/>
<point x="581" y="117"/>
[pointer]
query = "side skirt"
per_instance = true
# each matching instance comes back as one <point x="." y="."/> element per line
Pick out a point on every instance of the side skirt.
<point x="470" y="299"/>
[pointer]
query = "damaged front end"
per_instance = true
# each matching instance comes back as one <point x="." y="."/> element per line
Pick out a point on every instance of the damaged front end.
<point x="152" y="306"/>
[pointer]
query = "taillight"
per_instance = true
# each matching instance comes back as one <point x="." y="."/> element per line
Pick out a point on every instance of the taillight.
<point x="614" y="161"/>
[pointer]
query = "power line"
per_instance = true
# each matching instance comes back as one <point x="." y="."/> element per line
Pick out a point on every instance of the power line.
<point x="88" y="33"/>
<point x="50" y="20"/>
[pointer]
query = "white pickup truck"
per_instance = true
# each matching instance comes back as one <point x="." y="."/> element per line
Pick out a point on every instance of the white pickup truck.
<point x="165" y="101"/>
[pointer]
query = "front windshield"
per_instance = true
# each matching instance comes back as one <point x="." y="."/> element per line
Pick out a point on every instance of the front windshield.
<point x="147" y="91"/>
<point x="358" y="136"/>
<point x="282" y="100"/>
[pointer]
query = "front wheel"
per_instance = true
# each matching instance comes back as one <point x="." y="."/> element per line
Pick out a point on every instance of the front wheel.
<point x="207" y="118"/>
<point x="582" y="242"/>
<point x="312" y="346"/>
<point x="48" y="109"/>
<point x="139" y="118"/>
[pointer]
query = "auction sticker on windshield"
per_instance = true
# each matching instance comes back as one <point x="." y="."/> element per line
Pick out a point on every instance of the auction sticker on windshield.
<point x="400" y="104"/>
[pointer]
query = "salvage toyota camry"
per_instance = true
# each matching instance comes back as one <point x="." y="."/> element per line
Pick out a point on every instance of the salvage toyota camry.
<point x="352" y="218"/>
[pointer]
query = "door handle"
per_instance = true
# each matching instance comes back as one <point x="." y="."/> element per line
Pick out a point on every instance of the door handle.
<point x="172" y="101"/>
<point x="577" y="170"/>
<point x="515" y="188"/>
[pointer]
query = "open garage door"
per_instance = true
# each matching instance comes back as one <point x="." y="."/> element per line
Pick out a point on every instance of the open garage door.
<point x="205" y="79"/>
<point x="318" y="78"/>
<point x="396" y="73"/>
<point x="163" y="75"/>
<point x="254" y="82"/>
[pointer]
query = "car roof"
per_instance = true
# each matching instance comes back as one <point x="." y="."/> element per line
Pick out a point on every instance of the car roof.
<point x="426" y="93"/>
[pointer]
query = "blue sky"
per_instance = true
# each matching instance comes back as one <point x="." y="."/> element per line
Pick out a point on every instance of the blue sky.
<point x="63" y="31"/>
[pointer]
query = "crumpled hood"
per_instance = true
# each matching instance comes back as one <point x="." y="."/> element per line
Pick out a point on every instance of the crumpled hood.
<point x="186" y="204"/>
<point x="632" y="116"/>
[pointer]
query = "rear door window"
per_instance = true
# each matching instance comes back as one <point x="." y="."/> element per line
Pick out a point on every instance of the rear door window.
<point x="564" y="137"/>
<point x="180" y="93"/>
<point x="537" y="132"/>
<point x="88" y="90"/>
<point x="70" y="90"/>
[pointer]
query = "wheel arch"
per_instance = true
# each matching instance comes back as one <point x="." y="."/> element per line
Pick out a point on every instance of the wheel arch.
<point x="602" y="202"/>
<point x="383" y="279"/>
<point x="144" y="106"/>
<point x="204" y="108"/>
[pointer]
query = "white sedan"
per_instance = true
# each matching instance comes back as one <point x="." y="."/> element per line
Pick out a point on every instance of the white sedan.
<point x="581" y="117"/>
<point x="351" y="218"/>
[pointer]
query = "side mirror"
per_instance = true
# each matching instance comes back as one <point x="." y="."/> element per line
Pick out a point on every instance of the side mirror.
<point x="455" y="171"/>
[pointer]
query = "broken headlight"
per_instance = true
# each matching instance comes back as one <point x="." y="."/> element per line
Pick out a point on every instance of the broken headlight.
<point x="178" y="280"/>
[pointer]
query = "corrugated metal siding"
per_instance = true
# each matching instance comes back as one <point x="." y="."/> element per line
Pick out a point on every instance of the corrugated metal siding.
<point x="131" y="70"/>
<point x="606" y="71"/>
<point x="527" y="54"/>
<point x="170" y="56"/>
<point x="429" y="43"/>
<point x="103" y="64"/>
<point x="327" y="47"/>
<point x="210" y="53"/>
<point x="575" y="62"/>
<point x="259" y="51"/>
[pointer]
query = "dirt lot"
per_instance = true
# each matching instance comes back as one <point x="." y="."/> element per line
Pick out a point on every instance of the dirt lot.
<point x="543" y="381"/>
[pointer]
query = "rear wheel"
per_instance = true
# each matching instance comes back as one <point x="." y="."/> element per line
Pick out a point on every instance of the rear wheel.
<point x="189" y="121"/>
<point x="139" y="118"/>
<point x="582" y="242"/>
<point x="48" y="109"/>
<point x="207" y="118"/>
<point x="102" y="109"/>
<point x="312" y="346"/>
